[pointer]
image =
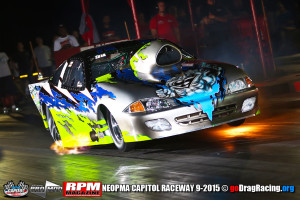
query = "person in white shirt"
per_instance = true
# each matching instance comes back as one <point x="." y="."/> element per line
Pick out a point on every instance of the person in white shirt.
<point x="7" y="87"/>
<point x="44" y="57"/>
<point x="64" y="41"/>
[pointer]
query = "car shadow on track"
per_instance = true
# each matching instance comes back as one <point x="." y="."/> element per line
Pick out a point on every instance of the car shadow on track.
<point x="204" y="143"/>
<point x="192" y="143"/>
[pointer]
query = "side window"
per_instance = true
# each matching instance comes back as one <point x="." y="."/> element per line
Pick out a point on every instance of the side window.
<point x="168" y="55"/>
<point x="74" y="76"/>
<point x="55" y="78"/>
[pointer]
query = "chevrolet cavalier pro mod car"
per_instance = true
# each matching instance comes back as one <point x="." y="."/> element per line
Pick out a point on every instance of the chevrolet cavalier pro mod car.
<point x="131" y="91"/>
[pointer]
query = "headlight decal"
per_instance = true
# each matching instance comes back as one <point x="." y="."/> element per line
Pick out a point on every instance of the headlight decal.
<point x="239" y="84"/>
<point x="236" y="85"/>
<point x="151" y="105"/>
<point x="156" y="104"/>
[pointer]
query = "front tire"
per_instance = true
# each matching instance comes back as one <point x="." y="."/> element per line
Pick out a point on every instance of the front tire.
<point x="116" y="134"/>
<point x="53" y="128"/>
<point x="237" y="123"/>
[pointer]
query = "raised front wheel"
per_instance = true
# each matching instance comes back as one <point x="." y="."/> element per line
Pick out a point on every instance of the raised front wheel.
<point x="116" y="134"/>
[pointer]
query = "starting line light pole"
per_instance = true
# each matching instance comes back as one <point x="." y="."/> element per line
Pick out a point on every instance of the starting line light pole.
<point x="135" y="19"/>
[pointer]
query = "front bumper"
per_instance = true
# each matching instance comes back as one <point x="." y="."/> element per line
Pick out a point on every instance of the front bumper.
<point x="188" y="118"/>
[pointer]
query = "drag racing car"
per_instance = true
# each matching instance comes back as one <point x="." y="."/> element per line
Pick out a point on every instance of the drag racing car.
<point x="138" y="90"/>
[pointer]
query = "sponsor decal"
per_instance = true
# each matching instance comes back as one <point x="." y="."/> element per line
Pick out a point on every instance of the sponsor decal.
<point x="12" y="190"/>
<point x="41" y="190"/>
<point x="63" y="99"/>
<point x="82" y="189"/>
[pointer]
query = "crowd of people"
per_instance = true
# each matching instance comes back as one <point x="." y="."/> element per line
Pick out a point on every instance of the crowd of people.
<point x="219" y="32"/>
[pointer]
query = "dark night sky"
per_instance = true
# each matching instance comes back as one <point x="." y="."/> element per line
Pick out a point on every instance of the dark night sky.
<point x="24" y="20"/>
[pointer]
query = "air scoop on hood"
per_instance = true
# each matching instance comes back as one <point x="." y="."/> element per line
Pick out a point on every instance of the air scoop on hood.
<point x="154" y="56"/>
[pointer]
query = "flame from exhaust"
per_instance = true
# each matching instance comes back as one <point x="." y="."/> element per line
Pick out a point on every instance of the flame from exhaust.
<point x="240" y="131"/>
<point x="60" y="150"/>
<point x="244" y="131"/>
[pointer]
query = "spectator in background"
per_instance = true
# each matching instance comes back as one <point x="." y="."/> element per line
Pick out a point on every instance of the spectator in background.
<point x="242" y="35"/>
<point x="215" y="14"/>
<point x="199" y="14"/>
<point x="64" y="41"/>
<point x="23" y="59"/>
<point x="143" y="26"/>
<point x="186" y="31"/>
<point x="240" y="10"/>
<point x="7" y="89"/>
<point x="183" y="20"/>
<point x="285" y="28"/>
<point x="108" y="32"/>
<point x="16" y="79"/>
<point x="24" y="63"/>
<point x="172" y="10"/>
<point x="164" y="25"/>
<point x="215" y="27"/>
<point x="55" y="36"/>
<point x="79" y="38"/>
<point x="44" y="57"/>
<point x="296" y="13"/>
<point x="285" y="18"/>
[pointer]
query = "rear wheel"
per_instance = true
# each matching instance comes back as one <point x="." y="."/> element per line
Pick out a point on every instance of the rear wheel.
<point x="237" y="123"/>
<point x="116" y="134"/>
<point x="52" y="128"/>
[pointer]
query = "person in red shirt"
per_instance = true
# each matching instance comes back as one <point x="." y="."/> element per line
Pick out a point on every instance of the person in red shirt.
<point x="164" y="25"/>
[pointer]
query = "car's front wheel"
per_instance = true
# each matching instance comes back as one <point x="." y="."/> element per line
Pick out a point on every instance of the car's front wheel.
<point x="116" y="134"/>
<point x="237" y="123"/>
<point x="53" y="128"/>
